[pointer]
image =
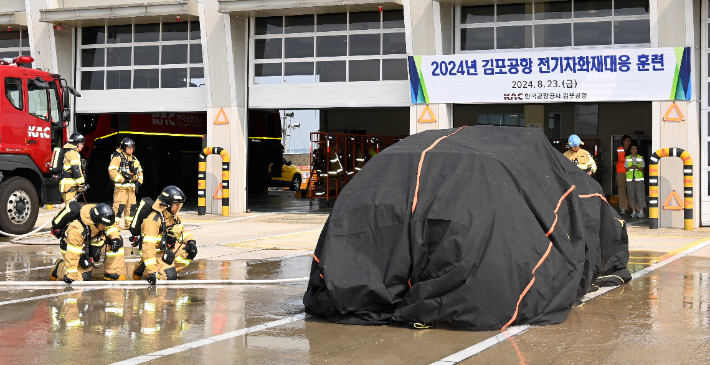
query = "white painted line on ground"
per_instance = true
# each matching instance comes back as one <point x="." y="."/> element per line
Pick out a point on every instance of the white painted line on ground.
<point x="667" y="261"/>
<point x="514" y="331"/>
<point x="26" y="270"/>
<point x="161" y="283"/>
<point x="44" y="296"/>
<point x="210" y="340"/>
<point x="483" y="345"/>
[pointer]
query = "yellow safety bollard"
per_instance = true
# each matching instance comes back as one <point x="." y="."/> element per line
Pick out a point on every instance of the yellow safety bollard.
<point x="653" y="210"/>
<point x="202" y="183"/>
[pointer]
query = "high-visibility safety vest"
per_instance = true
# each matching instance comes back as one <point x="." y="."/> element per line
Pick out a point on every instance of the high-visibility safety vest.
<point x="636" y="175"/>
<point x="621" y="160"/>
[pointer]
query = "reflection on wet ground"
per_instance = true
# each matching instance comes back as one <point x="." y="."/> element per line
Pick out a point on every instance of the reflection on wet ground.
<point x="33" y="263"/>
<point x="660" y="318"/>
<point x="284" y="201"/>
<point x="109" y="325"/>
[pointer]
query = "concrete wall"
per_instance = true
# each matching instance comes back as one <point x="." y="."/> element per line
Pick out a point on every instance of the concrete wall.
<point x="428" y="26"/>
<point x="298" y="159"/>
<point x="12" y="5"/>
<point x="383" y="121"/>
<point x="677" y="25"/>
<point x="671" y="23"/>
<point x="224" y="41"/>
<point x="41" y="37"/>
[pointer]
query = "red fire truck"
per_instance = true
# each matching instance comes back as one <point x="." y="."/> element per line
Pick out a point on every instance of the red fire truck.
<point x="34" y="115"/>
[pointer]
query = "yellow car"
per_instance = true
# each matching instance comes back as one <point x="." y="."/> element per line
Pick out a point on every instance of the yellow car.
<point x="291" y="177"/>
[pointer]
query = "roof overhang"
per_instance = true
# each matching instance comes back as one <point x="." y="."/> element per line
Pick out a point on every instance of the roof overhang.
<point x="486" y="2"/>
<point x="260" y="8"/>
<point x="13" y="19"/>
<point x="121" y="14"/>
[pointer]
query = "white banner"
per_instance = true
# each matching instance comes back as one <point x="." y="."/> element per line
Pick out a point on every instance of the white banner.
<point x="620" y="74"/>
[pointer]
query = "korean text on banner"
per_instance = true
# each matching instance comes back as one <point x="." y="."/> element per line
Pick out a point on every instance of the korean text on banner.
<point x="623" y="74"/>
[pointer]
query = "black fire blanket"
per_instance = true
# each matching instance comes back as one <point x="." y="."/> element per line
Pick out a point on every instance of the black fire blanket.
<point x="483" y="227"/>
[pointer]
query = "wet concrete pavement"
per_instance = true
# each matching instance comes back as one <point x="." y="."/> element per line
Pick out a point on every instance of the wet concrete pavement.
<point x="279" y="200"/>
<point x="659" y="318"/>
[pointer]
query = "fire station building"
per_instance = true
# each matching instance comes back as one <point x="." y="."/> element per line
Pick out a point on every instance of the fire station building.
<point x="181" y="75"/>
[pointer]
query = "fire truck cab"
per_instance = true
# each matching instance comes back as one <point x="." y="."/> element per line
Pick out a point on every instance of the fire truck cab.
<point x="34" y="115"/>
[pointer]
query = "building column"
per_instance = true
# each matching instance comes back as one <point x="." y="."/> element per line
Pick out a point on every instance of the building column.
<point x="673" y="25"/>
<point x="52" y="50"/>
<point x="41" y="37"/>
<point x="428" y="31"/>
<point x="676" y="134"/>
<point x="224" y="42"/>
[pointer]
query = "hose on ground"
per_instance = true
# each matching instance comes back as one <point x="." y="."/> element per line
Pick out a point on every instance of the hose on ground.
<point x="53" y="241"/>
<point x="20" y="236"/>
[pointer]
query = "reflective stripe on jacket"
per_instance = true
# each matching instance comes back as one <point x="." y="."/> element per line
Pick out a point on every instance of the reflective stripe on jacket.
<point x="115" y="173"/>
<point x="582" y="159"/>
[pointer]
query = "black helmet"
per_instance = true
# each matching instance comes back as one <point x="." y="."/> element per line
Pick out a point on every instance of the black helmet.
<point x="102" y="214"/>
<point x="171" y="194"/>
<point x="127" y="142"/>
<point x="76" y="138"/>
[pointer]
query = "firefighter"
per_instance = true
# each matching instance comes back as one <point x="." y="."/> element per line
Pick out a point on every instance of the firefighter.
<point x="126" y="173"/>
<point x="73" y="181"/>
<point x="166" y="247"/>
<point x="634" y="178"/>
<point x="621" y="153"/>
<point x="359" y="160"/>
<point x="336" y="168"/>
<point x="85" y="239"/>
<point x="579" y="155"/>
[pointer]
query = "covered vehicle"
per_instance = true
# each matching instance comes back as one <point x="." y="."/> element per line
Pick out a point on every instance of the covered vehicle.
<point x="483" y="227"/>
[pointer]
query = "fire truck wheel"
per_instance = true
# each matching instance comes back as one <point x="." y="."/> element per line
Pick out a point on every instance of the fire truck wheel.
<point x="19" y="205"/>
<point x="295" y="183"/>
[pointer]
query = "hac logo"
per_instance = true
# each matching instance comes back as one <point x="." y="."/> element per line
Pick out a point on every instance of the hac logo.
<point x="33" y="131"/>
<point x="163" y="118"/>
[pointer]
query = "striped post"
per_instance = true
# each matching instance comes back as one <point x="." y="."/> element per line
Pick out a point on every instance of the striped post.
<point x="202" y="183"/>
<point x="653" y="209"/>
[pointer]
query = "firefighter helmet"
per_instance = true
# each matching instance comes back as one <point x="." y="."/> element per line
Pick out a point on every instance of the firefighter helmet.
<point x="171" y="194"/>
<point x="127" y="142"/>
<point x="102" y="214"/>
<point x="574" y="141"/>
<point x="76" y="138"/>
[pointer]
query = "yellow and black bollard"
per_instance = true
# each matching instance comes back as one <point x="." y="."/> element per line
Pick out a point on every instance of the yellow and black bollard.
<point x="653" y="212"/>
<point x="202" y="183"/>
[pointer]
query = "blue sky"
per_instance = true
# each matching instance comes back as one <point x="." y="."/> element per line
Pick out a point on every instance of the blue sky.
<point x="300" y="137"/>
